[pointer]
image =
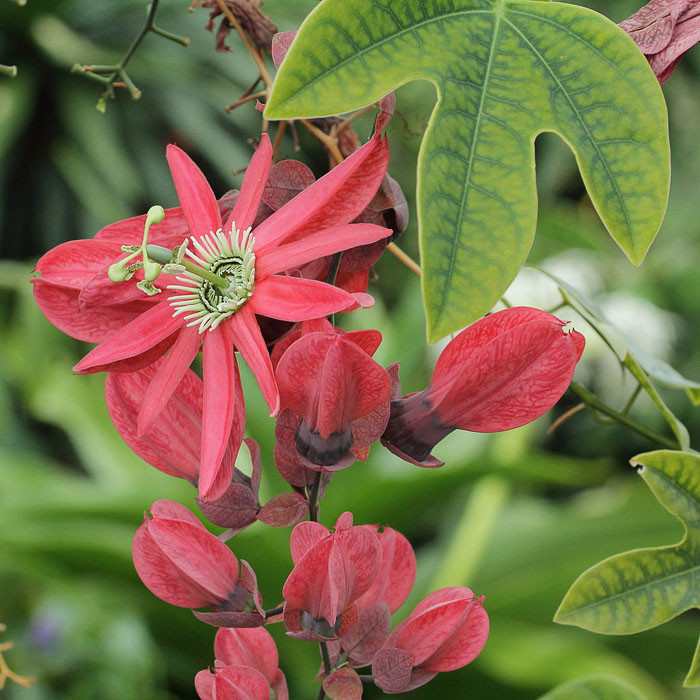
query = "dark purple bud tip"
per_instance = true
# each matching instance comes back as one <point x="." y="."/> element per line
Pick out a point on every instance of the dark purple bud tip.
<point x="321" y="627"/>
<point x="414" y="428"/>
<point x="326" y="452"/>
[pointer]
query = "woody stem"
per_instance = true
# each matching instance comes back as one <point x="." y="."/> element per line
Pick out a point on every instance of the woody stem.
<point x="326" y="667"/>
<point x="259" y="62"/>
<point x="313" y="497"/>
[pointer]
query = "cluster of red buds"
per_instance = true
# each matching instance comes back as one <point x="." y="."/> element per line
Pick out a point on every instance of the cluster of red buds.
<point x="261" y="273"/>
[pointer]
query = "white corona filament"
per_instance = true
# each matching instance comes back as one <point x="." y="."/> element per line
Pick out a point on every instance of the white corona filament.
<point x="230" y="257"/>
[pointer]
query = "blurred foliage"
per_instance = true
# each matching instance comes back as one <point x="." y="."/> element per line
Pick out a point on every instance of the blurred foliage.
<point x="516" y="516"/>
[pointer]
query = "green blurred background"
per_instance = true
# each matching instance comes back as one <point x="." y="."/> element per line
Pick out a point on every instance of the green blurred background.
<point x="515" y="516"/>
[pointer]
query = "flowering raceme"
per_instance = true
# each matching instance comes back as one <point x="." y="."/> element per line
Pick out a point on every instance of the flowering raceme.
<point x="232" y="275"/>
<point x="503" y="371"/>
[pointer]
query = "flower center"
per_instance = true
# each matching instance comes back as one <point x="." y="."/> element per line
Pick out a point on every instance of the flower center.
<point x="219" y="258"/>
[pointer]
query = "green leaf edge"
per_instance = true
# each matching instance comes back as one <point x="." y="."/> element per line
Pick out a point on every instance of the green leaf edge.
<point x="643" y="460"/>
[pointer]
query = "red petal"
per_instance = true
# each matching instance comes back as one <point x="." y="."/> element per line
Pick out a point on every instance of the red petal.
<point x="169" y="233"/>
<point x="246" y="336"/>
<point x="198" y="202"/>
<point x="74" y="263"/>
<point x="172" y="510"/>
<point x="253" y="647"/>
<point x="246" y="207"/>
<point x="172" y="444"/>
<point x="397" y="574"/>
<point x="318" y="245"/>
<point x="221" y="391"/>
<point x="305" y="536"/>
<point x="337" y="198"/>
<point x="296" y="299"/>
<point x="465" y="644"/>
<point x="61" y="306"/>
<point x="232" y="683"/>
<point x="143" y="333"/>
<point x="168" y="377"/>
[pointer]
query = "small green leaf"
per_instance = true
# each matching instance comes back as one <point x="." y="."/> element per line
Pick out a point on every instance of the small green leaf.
<point x="594" y="688"/>
<point x="634" y="591"/>
<point x="505" y="71"/>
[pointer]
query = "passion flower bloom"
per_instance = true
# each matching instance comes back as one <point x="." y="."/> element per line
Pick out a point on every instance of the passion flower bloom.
<point x="447" y="630"/>
<point x="242" y="657"/>
<point x="664" y="30"/>
<point x="232" y="274"/>
<point x="503" y="371"/>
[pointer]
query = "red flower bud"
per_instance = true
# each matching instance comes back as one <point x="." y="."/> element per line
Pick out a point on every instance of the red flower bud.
<point x="446" y="631"/>
<point x="331" y="571"/>
<point x="334" y="387"/>
<point x="503" y="371"/>
<point x="180" y="561"/>
<point x="238" y="649"/>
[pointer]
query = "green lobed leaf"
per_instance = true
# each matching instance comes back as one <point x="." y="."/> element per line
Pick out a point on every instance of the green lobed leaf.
<point x="504" y="71"/>
<point x="594" y="688"/>
<point x="634" y="591"/>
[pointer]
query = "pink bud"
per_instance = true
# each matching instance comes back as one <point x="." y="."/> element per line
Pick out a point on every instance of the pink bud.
<point x="503" y="371"/>
<point x="232" y="683"/>
<point x="331" y="383"/>
<point x="181" y="562"/>
<point x="331" y="571"/>
<point x="447" y="630"/>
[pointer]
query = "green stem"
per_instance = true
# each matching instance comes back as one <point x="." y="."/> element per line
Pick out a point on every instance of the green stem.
<point x="593" y="402"/>
<point x="139" y="37"/>
<point x="631" y="401"/>
<point x="183" y="40"/>
<point x="9" y="71"/>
